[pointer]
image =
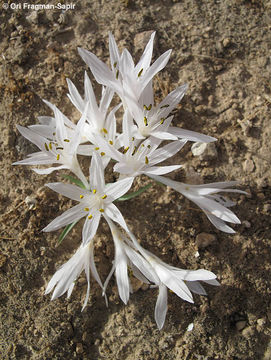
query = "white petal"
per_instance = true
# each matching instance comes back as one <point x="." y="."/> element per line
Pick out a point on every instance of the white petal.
<point x="75" y="97"/>
<point x="113" y="213"/>
<point x="190" y="135"/>
<point x="32" y="136"/>
<point x="160" y="170"/>
<point x="71" y="191"/>
<point x="161" y="307"/>
<point x="113" y="51"/>
<point x="96" y="173"/>
<point x="69" y="216"/>
<point x="164" y="135"/>
<point x="90" y="227"/>
<point x="50" y="169"/>
<point x="158" y="65"/>
<point x="119" y="188"/>
<point x="196" y="287"/>
<point x="145" y="59"/>
<point x="122" y="273"/>
<point x="219" y="224"/>
<point x="166" y="152"/>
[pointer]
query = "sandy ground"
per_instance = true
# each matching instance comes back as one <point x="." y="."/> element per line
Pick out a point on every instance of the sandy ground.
<point x="222" y="50"/>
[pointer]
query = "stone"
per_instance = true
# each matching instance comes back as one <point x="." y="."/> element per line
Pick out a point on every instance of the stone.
<point x="198" y="148"/>
<point x="204" y="239"/>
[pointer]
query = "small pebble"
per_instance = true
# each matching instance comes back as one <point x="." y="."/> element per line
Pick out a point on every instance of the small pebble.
<point x="204" y="239"/>
<point x="240" y="325"/>
<point x="246" y="224"/>
<point x="198" y="148"/>
<point x="79" y="348"/>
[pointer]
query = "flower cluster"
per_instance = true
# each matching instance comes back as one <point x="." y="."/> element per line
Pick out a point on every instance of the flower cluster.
<point x="137" y="149"/>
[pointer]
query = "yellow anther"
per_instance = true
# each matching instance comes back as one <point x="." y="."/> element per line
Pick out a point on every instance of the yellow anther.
<point x="104" y="196"/>
<point x="86" y="209"/>
<point x="149" y="108"/>
<point x="134" y="151"/>
<point x="146" y="160"/>
<point x="59" y="148"/>
<point x="162" y="120"/>
<point x="110" y="142"/>
<point x="145" y="107"/>
<point x="46" y="147"/>
<point x="149" y="146"/>
<point x="97" y="148"/>
<point x="117" y="74"/>
<point x="81" y="196"/>
<point x="102" y="153"/>
<point x="140" y="72"/>
<point x="104" y="130"/>
<point x="94" y="191"/>
<point x="164" y="106"/>
<point x="125" y="150"/>
<point x="142" y="145"/>
<point x="187" y="188"/>
<point x="66" y="140"/>
<point x="101" y="210"/>
<point x="133" y="138"/>
<point x="115" y="64"/>
<point x="145" y="121"/>
<point x="54" y="133"/>
<point x="50" y="145"/>
<point x="90" y="217"/>
<point x="58" y="157"/>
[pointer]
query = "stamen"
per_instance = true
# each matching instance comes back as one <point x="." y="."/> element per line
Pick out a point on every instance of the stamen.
<point x="90" y="217"/>
<point x="104" y="196"/>
<point x="162" y="121"/>
<point x="104" y="130"/>
<point x="81" y="196"/>
<point x="164" y="106"/>
<point x="46" y="147"/>
<point x="101" y="210"/>
<point x="142" y="145"/>
<point x="86" y="209"/>
<point x="149" y="146"/>
<point x="50" y="145"/>
<point x="117" y="74"/>
<point x="134" y="151"/>
<point x="149" y="108"/>
<point x="97" y="148"/>
<point x="110" y="142"/>
<point x="140" y="72"/>
<point x="145" y="107"/>
<point x="102" y="153"/>
<point x="94" y="191"/>
<point x="54" y="133"/>
<point x="145" y="121"/>
<point x="58" y="156"/>
<point x="146" y="160"/>
<point x="59" y="148"/>
<point x="115" y="64"/>
<point x="133" y="138"/>
<point x="66" y="140"/>
<point x="125" y="150"/>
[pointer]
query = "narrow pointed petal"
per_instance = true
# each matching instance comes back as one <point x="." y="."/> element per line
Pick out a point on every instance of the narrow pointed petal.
<point x="90" y="227"/>
<point x="190" y="135"/>
<point x="74" y="96"/>
<point x="69" y="216"/>
<point x="122" y="273"/>
<point x="96" y="173"/>
<point x="50" y="169"/>
<point x="113" y="213"/>
<point x="119" y="188"/>
<point x="158" y="65"/>
<point x="145" y="59"/>
<point x="161" y="307"/>
<point x="71" y="191"/>
<point x="161" y="170"/>
<point x="32" y="136"/>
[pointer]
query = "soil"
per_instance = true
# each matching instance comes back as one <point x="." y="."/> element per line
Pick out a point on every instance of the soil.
<point x="222" y="50"/>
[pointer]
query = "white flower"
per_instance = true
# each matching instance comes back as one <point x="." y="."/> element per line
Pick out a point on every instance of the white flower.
<point x="177" y="280"/>
<point x="141" y="157"/>
<point x="60" y="148"/>
<point x="124" y="77"/>
<point x="92" y="204"/>
<point x="65" y="277"/>
<point x="154" y="121"/>
<point x="206" y="197"/>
